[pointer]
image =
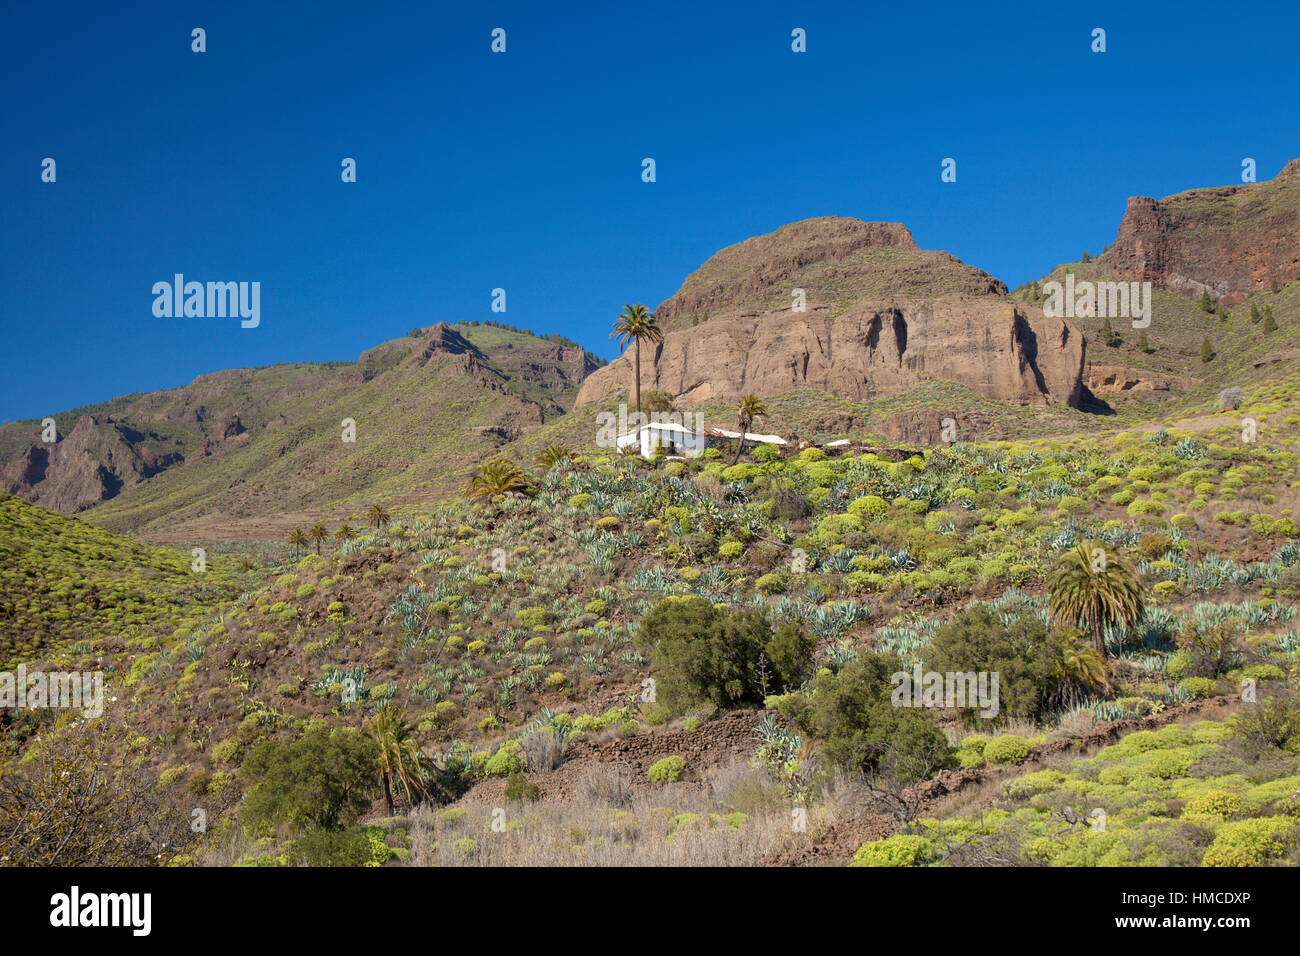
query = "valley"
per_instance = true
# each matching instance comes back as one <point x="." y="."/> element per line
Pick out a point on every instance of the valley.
<point x="490" y="638"/>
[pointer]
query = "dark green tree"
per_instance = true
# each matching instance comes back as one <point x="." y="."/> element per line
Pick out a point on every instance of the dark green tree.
<point x="324" y="780"/>
<point x="851" y="713"/>
<point x="709" y="654"/>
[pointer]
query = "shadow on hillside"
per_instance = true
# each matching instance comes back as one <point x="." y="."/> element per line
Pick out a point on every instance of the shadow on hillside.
<point x="1093" y="405"/>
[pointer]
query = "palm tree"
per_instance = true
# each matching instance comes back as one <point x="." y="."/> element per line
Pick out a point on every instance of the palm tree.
<point x="498" y="477"/>
<point x="317" y="534"/>
<point x="378" y="516"/>
<point x="298" y="541"/>
<point x="552" y="455"/>
<point x="345" y="533"/>
<point x="635" y="323"/>
<point x="750" y="407"/>
<point x="1080" y="665"/>
<point x="401" y="761"/>
<point x="1091" y="588"/>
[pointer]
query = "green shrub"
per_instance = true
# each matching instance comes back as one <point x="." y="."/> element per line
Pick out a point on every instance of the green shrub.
<point x="668" y="770"/>
<point x="741" y="472"/>
<point x="852" y="713"/>
<point x="706" y="654"/>
<point x="1028" y="655"/>
<point x="505" y="761"/>
<point x="1008" y="749"/>
<point x="871" y="505"/>
<point x="323" y="780"/>
<point x="902" y="849"/>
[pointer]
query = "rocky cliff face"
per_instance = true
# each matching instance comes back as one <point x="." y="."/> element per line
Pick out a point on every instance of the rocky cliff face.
<point x="881" y="316"/>
<point x="1229" y="240"/>
<point x="87" y="466"/>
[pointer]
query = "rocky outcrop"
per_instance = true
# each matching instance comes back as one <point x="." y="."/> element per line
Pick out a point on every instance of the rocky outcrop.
<point x="836" y="261"/>
<point x="1104" y="380"/>
<point x="995" y="347"/>
<point x="853" y="308"/>
<point x="1229" y="240"/>
<point x="82" y="468"/>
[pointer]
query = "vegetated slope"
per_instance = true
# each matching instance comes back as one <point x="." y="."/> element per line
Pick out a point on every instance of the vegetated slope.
<point x="243" y="443"/>
<point x="1192" y="794"/>
<point x="852" y="308"/>
<point x="66" y="584"/>
<point x="487" y="624"/>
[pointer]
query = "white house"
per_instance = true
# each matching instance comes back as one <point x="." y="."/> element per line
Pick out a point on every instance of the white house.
<point x="669" y="436"/>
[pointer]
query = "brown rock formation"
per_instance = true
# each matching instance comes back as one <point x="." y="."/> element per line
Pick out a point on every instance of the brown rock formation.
<point x="882" y="316"/>
<point x="1230" y="240"/>
<point x="993" y="346"/>
<point x="1111" y="379"/>
<point x="837" y="261"/>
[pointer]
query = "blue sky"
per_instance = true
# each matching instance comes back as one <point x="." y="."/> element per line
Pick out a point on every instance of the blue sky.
<point x="522" y="170"/>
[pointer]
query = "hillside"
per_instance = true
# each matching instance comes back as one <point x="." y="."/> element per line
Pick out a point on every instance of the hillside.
<point x="514" y="624"/>
<point x="246" y="443"/>
<point x="69" y="587"/>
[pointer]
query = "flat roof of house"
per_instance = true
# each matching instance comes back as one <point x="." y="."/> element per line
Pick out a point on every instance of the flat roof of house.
<point x="751" y="436"/>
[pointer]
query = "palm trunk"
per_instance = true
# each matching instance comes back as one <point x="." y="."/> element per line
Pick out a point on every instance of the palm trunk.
<point x="388" y="793"/>
<point x="1098" y="637"/>
<point x="740" y="442"/>
<point x="636" y="385"/>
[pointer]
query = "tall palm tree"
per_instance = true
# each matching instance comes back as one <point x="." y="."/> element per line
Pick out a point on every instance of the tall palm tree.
<point x="635" y="324"/>
<point x="345" y="533"/>
<point x="401" y="762"/>
<point x="298" y="541"/>
<point x="317" y="534"/>
<point x="1092" y="588"/>
<point x="750" y="407"/>
<point x="499" y="477"/>
<point x="378" y="516"/>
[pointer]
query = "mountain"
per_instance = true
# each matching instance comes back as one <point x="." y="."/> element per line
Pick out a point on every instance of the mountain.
<point x="881" y="316"/>
<point x="243" y="443"/>
<point x="1229" y="240"/>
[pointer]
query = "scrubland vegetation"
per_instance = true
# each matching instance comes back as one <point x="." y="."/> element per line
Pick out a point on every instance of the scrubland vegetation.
<point x="599" y="659"/>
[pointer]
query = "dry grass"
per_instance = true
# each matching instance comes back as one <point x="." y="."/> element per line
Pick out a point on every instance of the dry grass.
<point x="737" y="819"/>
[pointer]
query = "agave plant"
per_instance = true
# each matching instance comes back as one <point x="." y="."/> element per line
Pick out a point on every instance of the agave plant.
<point x="1188" y="449"/>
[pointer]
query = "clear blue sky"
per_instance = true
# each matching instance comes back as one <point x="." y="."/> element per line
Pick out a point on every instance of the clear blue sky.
<point x="523" y="170"/>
